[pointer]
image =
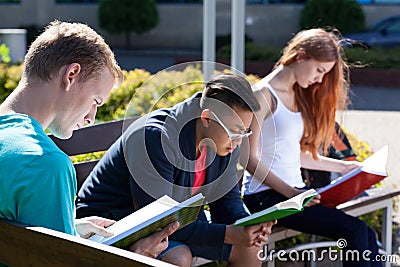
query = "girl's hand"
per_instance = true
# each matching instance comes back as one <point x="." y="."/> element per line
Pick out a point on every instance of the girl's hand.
<point x="350" y="165"/>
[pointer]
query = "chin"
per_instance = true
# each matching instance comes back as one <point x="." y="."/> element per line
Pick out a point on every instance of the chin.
<point x="222" y="154"/>
<point x="63" y="135"/>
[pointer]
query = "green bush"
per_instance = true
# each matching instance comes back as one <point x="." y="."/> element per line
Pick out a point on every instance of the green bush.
<point x="117" y="103"/>
<point x="345" y="15"/>
<point x="9" y="78"/>
<point x="376" y="57"/>
<point x="4" y="54"/>
<point x="166" y="89"/>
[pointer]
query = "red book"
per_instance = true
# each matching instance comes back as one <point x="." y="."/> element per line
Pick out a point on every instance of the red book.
<point x="344" y="188"/>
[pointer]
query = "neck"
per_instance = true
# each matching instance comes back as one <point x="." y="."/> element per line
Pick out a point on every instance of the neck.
<point x="199" y="136"/>
<point x="282" y="78"/>
<point x="33" y="99"/>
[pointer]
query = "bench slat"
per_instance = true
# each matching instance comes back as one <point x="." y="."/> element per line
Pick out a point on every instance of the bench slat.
<point x="373" y="195"/>
<point x="36" y="246"/>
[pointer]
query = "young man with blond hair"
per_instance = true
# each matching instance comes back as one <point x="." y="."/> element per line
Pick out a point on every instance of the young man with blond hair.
<point x="69" y="71"/>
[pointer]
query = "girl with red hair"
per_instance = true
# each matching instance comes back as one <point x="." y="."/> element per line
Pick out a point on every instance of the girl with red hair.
<point x="295" y="125"/>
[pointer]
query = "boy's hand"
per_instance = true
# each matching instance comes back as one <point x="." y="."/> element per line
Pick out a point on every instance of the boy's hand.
<point x="156" y="243"/>
<point x="255" y="235"/>
<point x="86" y="227"/>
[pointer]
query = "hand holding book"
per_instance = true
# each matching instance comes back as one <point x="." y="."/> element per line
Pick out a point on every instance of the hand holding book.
<point x="150" y="219"/>
<point x="344" y="188"/>
<point x="152" y="245"/>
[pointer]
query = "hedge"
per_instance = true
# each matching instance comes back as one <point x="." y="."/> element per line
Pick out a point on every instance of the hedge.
<point x="376" y="57"/>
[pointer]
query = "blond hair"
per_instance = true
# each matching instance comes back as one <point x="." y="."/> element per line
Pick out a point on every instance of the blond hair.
<point x="63" y="43"/>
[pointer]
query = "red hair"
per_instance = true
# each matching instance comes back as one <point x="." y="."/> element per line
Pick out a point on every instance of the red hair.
<point x="318" y="103"/>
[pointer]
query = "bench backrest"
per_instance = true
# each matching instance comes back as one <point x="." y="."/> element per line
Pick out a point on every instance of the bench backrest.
<point x="95" y="138"/>
<point x="36" y="246"/>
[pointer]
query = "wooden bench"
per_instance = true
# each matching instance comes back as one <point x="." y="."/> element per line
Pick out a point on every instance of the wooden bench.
<point x="21" y="245"/>
<point x="96" y="138"/>
<point x="100" y="136"/>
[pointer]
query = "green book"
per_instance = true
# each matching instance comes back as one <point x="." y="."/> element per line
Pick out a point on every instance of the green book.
<point x="150" y="219"/>
<point x="280" y="210"/>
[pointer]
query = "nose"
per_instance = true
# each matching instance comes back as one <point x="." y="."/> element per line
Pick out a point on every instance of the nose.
<point x="89" y="118"/>
<point x="319" y="78"/>
<point x="237" y="142"/>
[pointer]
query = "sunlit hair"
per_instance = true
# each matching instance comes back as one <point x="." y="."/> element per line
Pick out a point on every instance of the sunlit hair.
<point x="319" y="102"/>
<point x="64" y="43"/>
<point x="232" y="90"/>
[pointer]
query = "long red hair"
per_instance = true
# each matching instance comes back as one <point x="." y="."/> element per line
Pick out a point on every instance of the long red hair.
<point x="318" y="103"/>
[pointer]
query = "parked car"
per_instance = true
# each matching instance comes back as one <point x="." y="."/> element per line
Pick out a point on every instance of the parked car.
<point x="384" y="33"/>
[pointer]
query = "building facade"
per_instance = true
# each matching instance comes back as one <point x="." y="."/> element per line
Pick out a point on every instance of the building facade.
<point x="180" y="24"/>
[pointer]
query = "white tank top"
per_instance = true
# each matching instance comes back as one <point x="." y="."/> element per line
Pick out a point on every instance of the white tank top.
<point x="279" y="147"/>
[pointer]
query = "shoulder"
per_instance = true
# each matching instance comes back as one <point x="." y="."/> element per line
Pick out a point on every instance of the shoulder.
<point x="265" y="99"/>
<point x="51" y="164"/>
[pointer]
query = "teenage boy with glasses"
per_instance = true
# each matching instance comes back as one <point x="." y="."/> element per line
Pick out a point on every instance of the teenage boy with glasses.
<point x="189" y="148"/>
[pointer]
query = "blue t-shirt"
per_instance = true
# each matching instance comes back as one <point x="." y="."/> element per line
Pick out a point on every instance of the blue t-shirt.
<point x="37" y="179"/>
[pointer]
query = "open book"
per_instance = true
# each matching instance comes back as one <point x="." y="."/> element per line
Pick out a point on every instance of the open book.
<point x="279" y="210"/>
<point x="150" y="218"/>
<point x="344" y="188"/>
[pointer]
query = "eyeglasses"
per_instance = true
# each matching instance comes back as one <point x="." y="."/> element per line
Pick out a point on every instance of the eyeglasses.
<point x="232" y="136"/>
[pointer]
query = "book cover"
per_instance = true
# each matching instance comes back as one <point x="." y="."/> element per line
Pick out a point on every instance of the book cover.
<point x="279" y="210"/>
<point x="150" y="219"/>
<point x="346" y="187"/>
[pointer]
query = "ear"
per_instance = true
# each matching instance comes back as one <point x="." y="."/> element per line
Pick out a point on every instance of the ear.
<point x="205" y="117"/>
<point x="71" y="75"/>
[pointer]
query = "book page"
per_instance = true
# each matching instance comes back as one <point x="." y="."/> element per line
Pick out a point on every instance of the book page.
<point x="257" y="217"/>
<point x="377" y="163"/>
<point x="151" y="210"/>
<point x="296" y="202"/>
<point x="279" y="210"/>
